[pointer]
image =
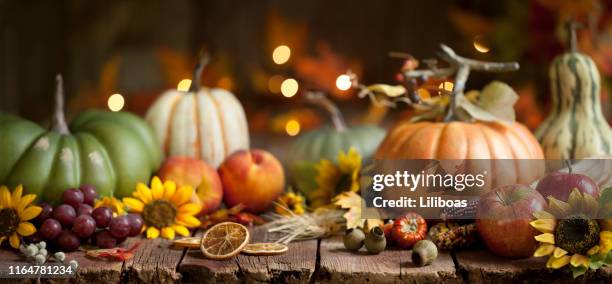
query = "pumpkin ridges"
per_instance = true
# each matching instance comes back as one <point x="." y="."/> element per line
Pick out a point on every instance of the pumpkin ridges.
<point x="410" y="139"/>
<point x="403" y="133"/>
<point x="94" y="152"/>
<point x="23" y="135"/>
<point x="222" y="122"/>
<point x="423" y="139"/>
<point x="453" y="145"/>
<point x="166" y="138"/>
<point x="197" y="146"/>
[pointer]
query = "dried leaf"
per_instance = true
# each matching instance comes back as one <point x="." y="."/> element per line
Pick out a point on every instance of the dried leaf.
<point x="388" y="90"/>
<point x="475" y="111"/>
<point x="498" y="99"/>
<point x="353" y="202"/>
<point x="119" y="254"/>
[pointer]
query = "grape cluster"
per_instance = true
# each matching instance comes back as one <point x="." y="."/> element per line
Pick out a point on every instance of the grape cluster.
<point x="75" y="221"/>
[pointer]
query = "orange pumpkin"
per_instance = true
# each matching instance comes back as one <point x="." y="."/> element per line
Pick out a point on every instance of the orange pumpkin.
<point x="514" y="153"/>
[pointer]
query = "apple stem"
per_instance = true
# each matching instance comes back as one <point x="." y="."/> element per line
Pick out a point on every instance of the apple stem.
<point x="320" y="99"/>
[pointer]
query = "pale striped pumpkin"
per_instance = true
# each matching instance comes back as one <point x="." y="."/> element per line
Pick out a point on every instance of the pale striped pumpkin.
<point x="576" y="127"/>
<point x="205" y="123"/>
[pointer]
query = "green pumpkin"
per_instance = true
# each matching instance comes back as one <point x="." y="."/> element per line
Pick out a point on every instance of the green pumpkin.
<point x="576" y="127"/>
<point x="111" y="151"/>
<point x="326" y="143"/>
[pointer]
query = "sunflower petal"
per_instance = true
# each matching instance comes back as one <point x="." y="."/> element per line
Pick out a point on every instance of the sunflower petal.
<point x="543" y="250"/>
<point x="181" y="230"/>
<point x="157" y="188"/>
<point x="190" y="209"/>
<point x="593" y="250"/>
<point x="559" y="252"/>
<point x="188" y="221"/>
<point x="26" y="228"/>
<point x="16" y="196"/>
<point x="182" y="195"/>
<point x="558" y="208"/>
<point x="14" y="240"/>
<point x="5" y="197"/>
<point x="579" y="260"/>
<point x="143" y="193"/>
<point x="167" y="233"/>
<point x="546" y="238"/>
<point x="169" y="189"/>
<point x="30" y="213"/>
<point x="543" y="215"/>
<point x="560" y="262"/>
<point x="25" y="201"/>
<point x="134" y="204"/>
<point x="544" y="225"/>
<point x="152" y="233"/>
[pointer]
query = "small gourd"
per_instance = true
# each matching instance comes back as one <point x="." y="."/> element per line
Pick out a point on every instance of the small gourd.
<point x="353" y="239"/>
<point x="424" y="253"/>
<point x="375" y="242"/>
<point x="576" y="127"/>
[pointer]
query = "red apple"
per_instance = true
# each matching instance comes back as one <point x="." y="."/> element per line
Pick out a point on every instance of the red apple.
<point x="252" y="178"/>
<point x="503" y="218"/>
<point x="204" y="179"/>
<point x="560" y="185"/>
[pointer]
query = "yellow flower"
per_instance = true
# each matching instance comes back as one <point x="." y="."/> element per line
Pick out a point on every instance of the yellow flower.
<point x="166" y="210"/>
<point x="15" y="212"/>
<point x="333" y="179"/>
<point x="112" y="203"/>
<point x="290" y="203"/>
<point x="569" y="233"/>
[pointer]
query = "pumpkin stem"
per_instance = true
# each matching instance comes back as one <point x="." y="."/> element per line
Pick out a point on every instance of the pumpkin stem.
<point x="197" y="72"/>
<point x="321" y="100"/>
<point x="571" y="27"/>
<point x="59" y="120"/>
<point x="569" y="166"/>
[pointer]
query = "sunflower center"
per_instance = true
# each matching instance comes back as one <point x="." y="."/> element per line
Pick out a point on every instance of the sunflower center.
<point x="159" y="214"/>
<point x="9" y="220"/>
<point x="577" y="234"/>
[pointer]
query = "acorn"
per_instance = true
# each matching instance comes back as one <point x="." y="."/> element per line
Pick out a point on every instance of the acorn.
<point x="375" y="241"/>
<point x="424" y="253"/>
<point x="353" y="239"/>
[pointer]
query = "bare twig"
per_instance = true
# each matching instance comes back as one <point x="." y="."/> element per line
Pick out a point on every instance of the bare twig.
<point x="320" y="99"/>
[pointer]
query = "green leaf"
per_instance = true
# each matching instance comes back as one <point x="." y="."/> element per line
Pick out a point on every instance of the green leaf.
<point x="498" y="99"/>
<point x="608" y="260"/>
<point x="605" y="201"/>
<point x="578" y="271"/>
<point x="519" y="194"/>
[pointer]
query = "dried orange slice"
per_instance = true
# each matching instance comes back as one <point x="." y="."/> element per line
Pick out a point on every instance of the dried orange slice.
<point x="224" y="240"/>
<point x="188" y="242"/>
<point x="265" y="248"/>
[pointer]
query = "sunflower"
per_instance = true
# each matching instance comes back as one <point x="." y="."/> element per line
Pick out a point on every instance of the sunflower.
<point x="113" y="203"/>
<point x="333" y="179"/>
<point x="290" y="203"/>
<point x="15" y="212"/>
<point x="571" y="235"/>
<point x="165" y="209"/>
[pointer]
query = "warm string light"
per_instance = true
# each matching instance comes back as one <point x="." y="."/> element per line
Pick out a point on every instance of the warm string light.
<point x="281" y="54"/>
<point x="289" y="87"/>
<point x="116" y="102"/>
<point x="184" y="85"/>
<point x="292" y="127"/>
<point x="480" y="44"/>
<point x="447" y="86"/>
<point x="343" y="82"/>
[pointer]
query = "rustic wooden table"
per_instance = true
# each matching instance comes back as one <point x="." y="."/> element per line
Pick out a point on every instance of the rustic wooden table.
<point x="314" y="261"/>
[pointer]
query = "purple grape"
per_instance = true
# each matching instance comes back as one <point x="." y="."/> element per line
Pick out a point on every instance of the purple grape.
<point x="102" y="216"/>
<point x="136" y="223"/>
<point x="46" y="213"/>
<point x="104" y="239"/>
<point x="50" y="229"/>
<point x="65" y="214"/>
<point x="119" y="227"/>
<point x="84" y="209"/>
<point x="34" y="238"/>
<point x="68" y="241"/>
<point x="72" y="197"/>
<point x="89" y="193"/>
<point x="84" y="226"/>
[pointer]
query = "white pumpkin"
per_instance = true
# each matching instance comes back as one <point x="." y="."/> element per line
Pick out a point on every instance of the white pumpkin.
<point x="205" y="123"/>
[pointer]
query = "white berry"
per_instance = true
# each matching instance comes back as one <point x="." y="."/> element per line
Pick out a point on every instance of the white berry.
<point x="39" y="259"/>
<point x="60" y="256"/>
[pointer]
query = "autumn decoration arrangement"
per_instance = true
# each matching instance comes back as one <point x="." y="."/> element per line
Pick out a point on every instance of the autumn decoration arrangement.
<point x="107" y="176"/>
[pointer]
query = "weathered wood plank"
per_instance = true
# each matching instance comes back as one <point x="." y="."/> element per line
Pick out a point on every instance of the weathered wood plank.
<point x="391" y="266"/>
<point x="480" y="266"/>
<point x="155" y="261"/>
<point x="196" y="268"/>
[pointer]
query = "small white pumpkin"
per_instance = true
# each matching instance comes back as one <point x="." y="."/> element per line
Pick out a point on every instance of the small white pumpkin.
<point x="204" y="123"/>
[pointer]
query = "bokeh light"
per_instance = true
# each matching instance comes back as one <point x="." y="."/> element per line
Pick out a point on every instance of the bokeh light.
<point x="447" y="86"/>
<point x="116" y="102"/>
<point x="184" y="85"/>
<point x="292" y="127"/>
<point x="289" y="87"/>
<point x="480" y="44"/>
<point x="343" y="82"/>
<point x="274" y="84"/>
<point x="281" y="54"/>
<point x="226" y="82"/>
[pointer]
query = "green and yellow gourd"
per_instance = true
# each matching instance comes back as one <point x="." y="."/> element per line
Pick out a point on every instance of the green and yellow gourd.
<point x="326" y="142"/>
<point x="112" y="151"/>
<point x="576" y="127"/>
